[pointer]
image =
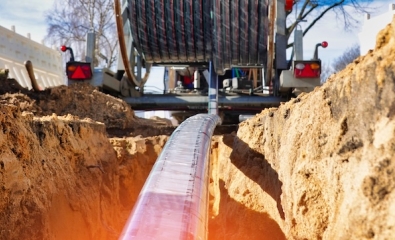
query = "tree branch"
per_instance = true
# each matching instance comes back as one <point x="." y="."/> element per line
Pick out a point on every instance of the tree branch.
<point x="321" y="15"/>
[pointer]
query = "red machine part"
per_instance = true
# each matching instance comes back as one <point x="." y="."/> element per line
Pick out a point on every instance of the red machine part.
<point x="288" y="5"/>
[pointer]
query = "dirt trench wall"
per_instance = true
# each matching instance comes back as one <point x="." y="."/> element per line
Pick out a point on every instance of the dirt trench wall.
<point x="244" y="193"/>
<point x="326" y="159"/>
<point x="61" y="178"/>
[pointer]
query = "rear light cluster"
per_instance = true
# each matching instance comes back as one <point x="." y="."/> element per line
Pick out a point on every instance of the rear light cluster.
<point x="307" y="69"/>
<point x="78" y="71"/>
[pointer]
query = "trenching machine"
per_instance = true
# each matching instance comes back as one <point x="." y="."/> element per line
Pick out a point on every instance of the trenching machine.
<point x="222" y="56"/>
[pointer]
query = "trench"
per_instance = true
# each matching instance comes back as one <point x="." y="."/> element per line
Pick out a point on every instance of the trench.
<point x="244" y="192"/>
<point x="65" y="178"/>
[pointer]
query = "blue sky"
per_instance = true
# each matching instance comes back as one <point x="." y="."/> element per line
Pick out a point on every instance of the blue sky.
<point x="28" y="17"/>
<point x="330" y="30"/>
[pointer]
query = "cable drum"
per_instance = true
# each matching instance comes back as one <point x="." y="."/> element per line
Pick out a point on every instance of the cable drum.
<point x="241" y="31"/>
<point x="207" y="29"/>
<point x="230" y="32"/>
<point x="171" y="31"/>
<point x="198" y="27"/>
<point x="263" y="32"/>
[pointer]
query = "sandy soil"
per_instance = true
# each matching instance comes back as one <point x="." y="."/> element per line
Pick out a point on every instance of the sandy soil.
<point x="72" y="162"/>
<point x="321" y="166"/>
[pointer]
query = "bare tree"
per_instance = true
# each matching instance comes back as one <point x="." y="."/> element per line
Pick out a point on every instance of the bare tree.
<point x="340" y="62"/>
<point x="69" y="21"/>
<point x="318" y="9"/>
<point x="346" y="58"/>
<point x="326" y="71"/>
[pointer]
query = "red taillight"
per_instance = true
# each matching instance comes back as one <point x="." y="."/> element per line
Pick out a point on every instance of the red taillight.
<point x="86" y="67"/>
<point x="63" y="48"/>
<point x="324" y="44"/>
<point x="78" y="71"/>
<point x="307" y="69"/>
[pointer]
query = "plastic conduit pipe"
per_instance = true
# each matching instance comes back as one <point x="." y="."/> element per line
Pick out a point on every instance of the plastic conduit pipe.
<point x="173" y="203"/>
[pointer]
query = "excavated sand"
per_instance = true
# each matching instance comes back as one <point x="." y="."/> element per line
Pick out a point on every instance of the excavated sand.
<point x="62" y="177"/>
<point x="321" y="166"/>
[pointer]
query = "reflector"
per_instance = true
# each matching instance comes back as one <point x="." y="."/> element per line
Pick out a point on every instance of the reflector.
<point x="78" y="74"/>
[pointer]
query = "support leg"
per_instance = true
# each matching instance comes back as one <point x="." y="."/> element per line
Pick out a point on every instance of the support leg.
<point x="213" y="91"/>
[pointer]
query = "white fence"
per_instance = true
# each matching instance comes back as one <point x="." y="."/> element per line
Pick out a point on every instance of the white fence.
<point x="15" y="49"/>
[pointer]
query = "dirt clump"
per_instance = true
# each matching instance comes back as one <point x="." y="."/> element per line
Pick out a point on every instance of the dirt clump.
<point x="84" y="101"/>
